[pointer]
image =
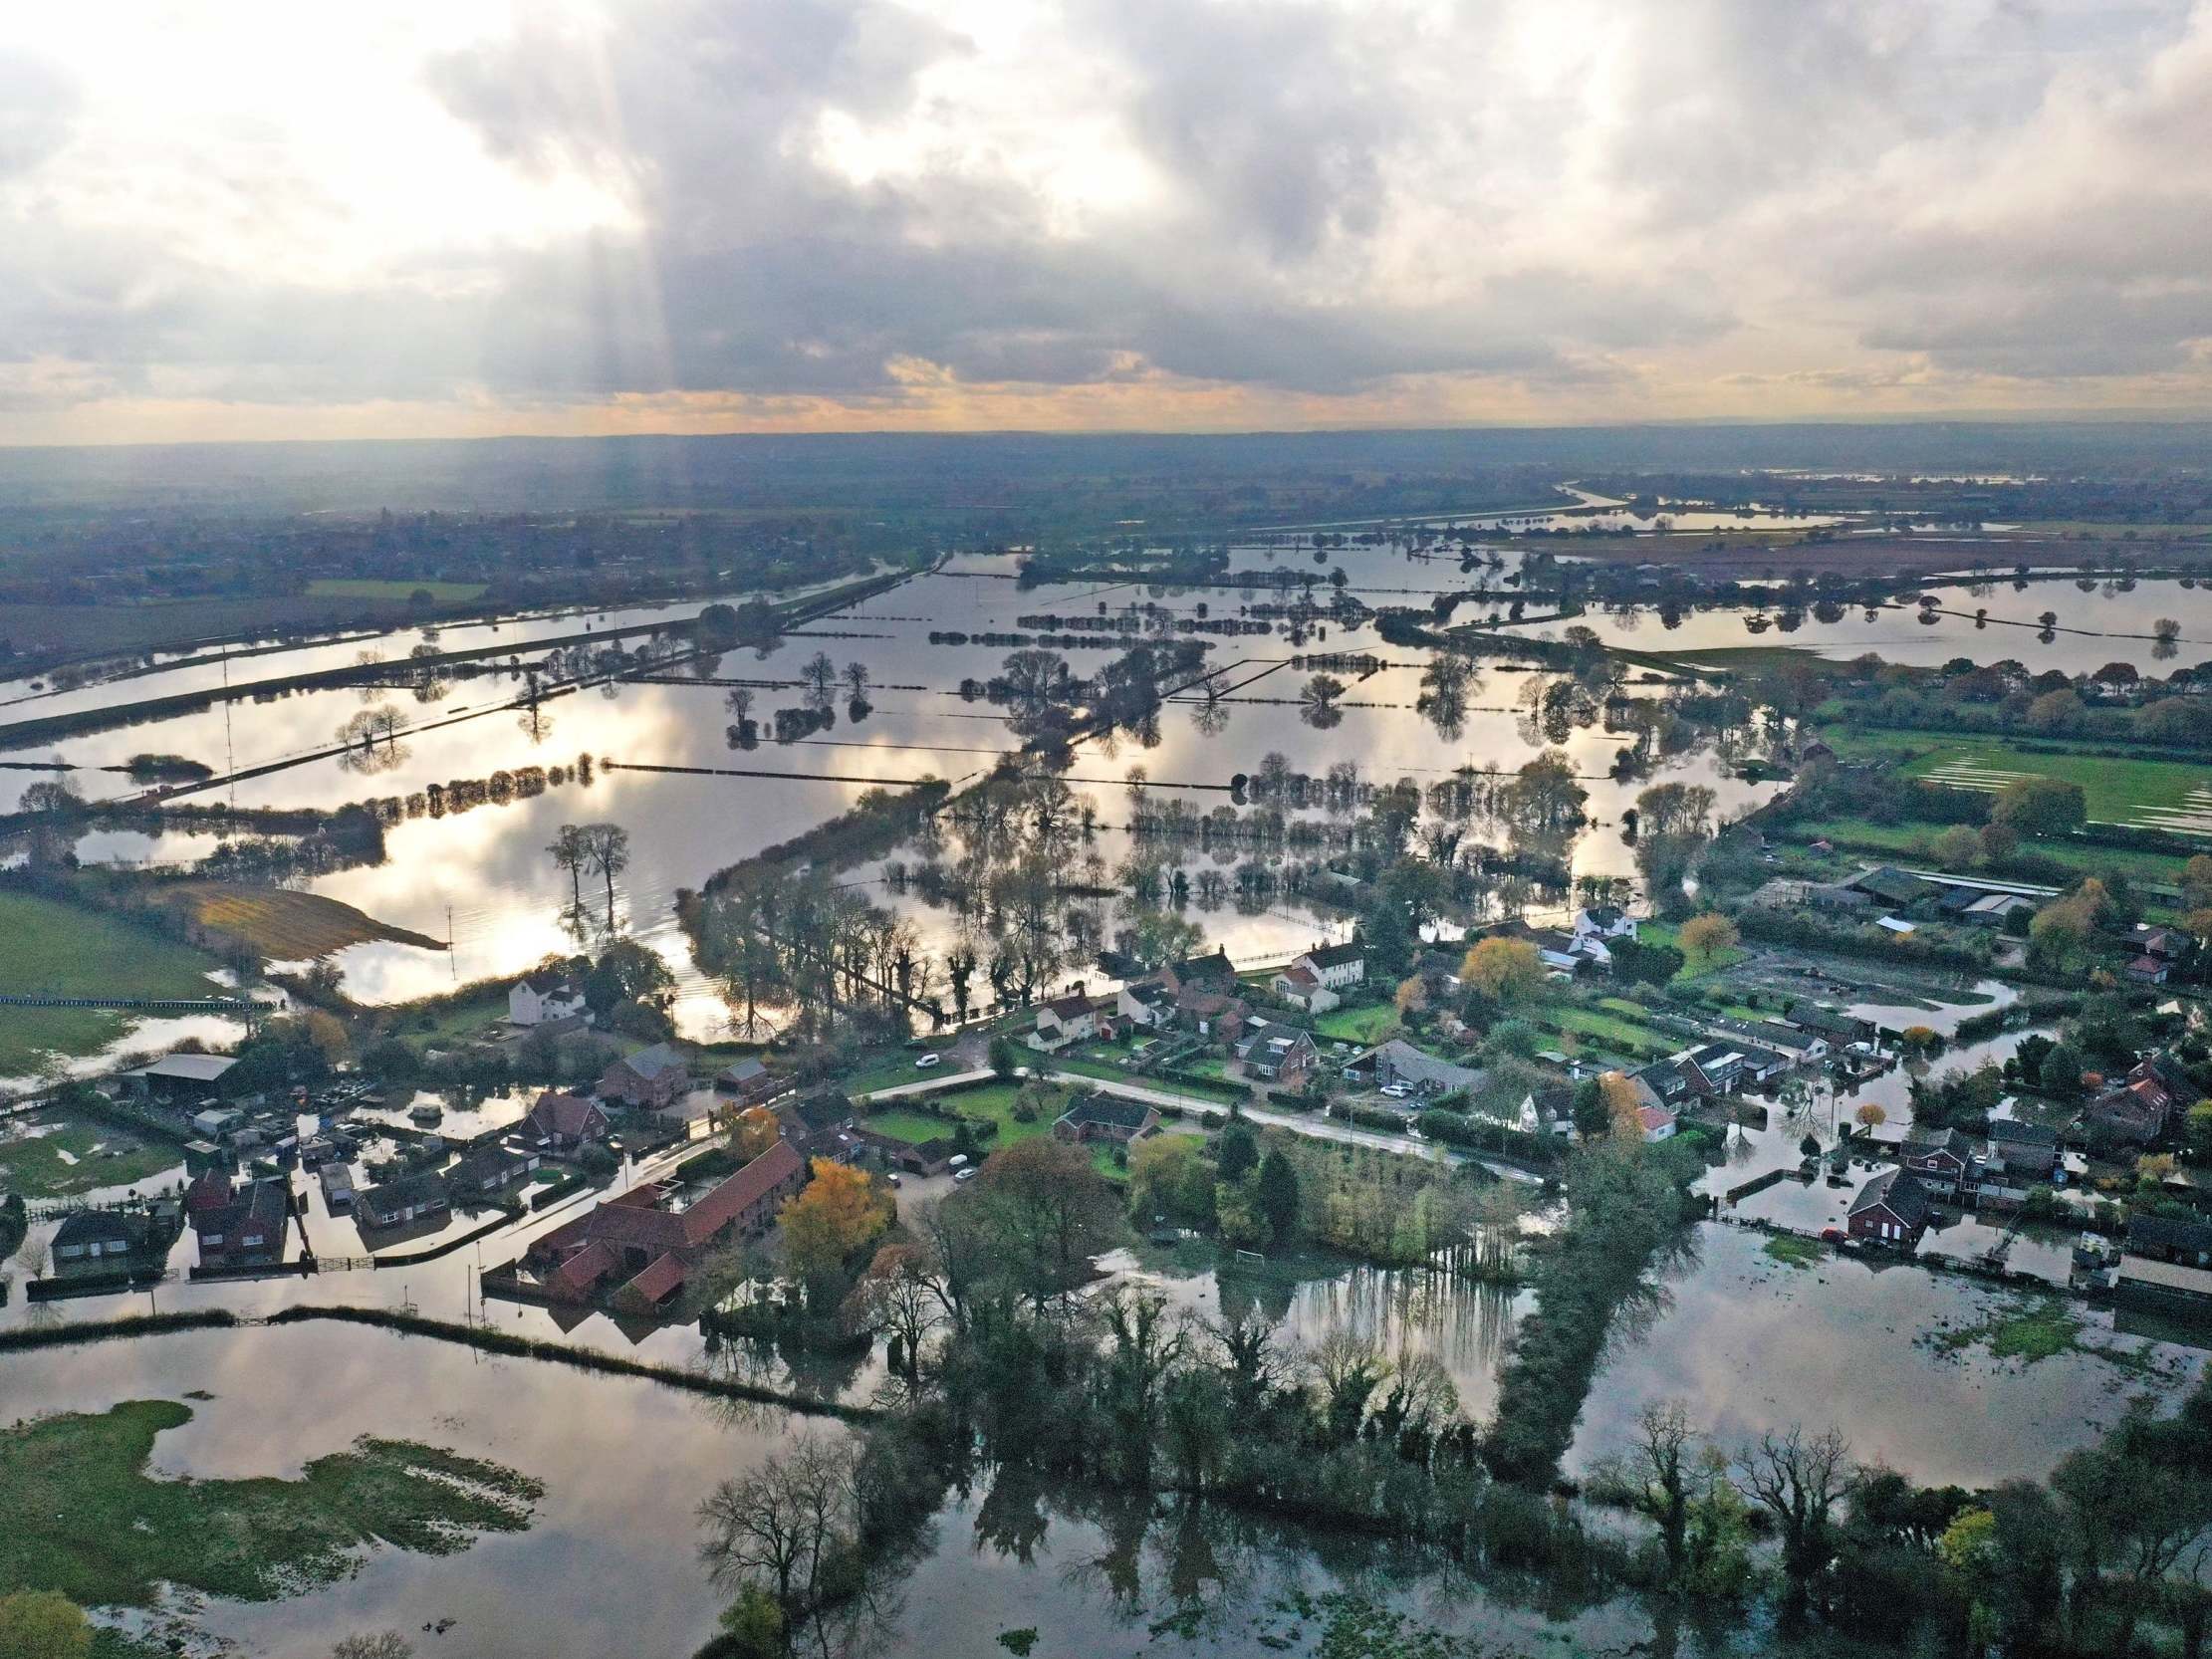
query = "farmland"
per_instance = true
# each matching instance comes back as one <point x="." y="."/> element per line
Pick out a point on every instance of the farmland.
<point x="281" y="924"/>
<point x="2150" y="794"/>
<point x="48" y="946"/>
<point x="370" y="588"/>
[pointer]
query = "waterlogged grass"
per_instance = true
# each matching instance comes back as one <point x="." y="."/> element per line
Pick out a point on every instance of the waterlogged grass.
<point x="1794" y="1252"/>
<point x="85" y="1517"/>
<point x="50" y="1158"/>
<point x="2040" y="1327"/>
<point x="1910" y="843"/>
<point x="283" y="925"/>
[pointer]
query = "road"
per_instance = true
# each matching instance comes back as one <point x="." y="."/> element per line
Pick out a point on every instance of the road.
<point x="1298" y="1124"/>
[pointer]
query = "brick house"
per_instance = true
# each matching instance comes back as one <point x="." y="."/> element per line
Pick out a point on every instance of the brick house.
<point x="1106" y="1117"/>
<point x="1275" y="1056"/>
<point x="238" y="1225"/>
<point x="650" y="1077"/>
<point x="1064" y="1020"/>
<point x="749" y="1081"/>
<point x="566" y="1121"/>
<point x="1890" y="1209"/>
<point x="410" y="1199"/>
<point x="1943" y="1161"/>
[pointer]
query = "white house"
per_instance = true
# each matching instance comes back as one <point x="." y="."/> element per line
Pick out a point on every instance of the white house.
<point x="1658" y="1122"/>
<point x="1301" y="988"/>
<point x="1064" y="1020"/>
<point x="1603" y="922"/>
<point x="542" y="998"/>
<point x="1148" y="1003"/>
<point x="1338" y="967"/>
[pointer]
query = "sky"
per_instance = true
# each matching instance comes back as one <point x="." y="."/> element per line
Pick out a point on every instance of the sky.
<point x="267" y="220"/>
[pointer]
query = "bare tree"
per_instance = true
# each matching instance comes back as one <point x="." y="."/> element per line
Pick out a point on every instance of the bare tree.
<point x="781" y="1526"/>
<point x="606" y="854"/>
<point x="1800" y="1480"/>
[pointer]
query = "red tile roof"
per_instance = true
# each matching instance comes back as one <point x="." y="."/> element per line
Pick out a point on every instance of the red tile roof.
<point x="663" y="1277"/>
<point x="574" y="1278"/>
<point x="727" y="1202"/>
<point x="567" y="1116"/>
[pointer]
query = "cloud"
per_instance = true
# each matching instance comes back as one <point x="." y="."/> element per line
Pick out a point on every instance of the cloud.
<point x="1167" y="211"/>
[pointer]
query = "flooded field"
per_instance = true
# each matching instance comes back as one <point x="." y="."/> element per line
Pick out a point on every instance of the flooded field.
<point x="1753" y="1344"/>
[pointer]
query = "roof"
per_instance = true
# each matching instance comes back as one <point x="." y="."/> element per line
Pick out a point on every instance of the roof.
<point x="1605" y="915"/>
<point x="1213" y="965"/>
<point x="1074" y="1006"/>
<point x="2165" y="1276"/>
<point x="548" y="982"/>
<point x="818" y="1108"/>
<point x="1653" y="1118"/>
<point x="1898" y="886"/>
<point x="1108" y="1109"/>
<point x="1894" y="924"/>
<point x="99" y="1225"/>
<point x="1922" y="1142"/>
<point x="651" y="1062"/>
<point x="1904" y="1197"/>
<point x="486" y="1163"/>
<point x="661" y="1278"/>
<point x="1300" y="978"/>
<point x="2021" y="1135"/>
<point x="575" y="1277"/>
<point x="1410" y="1062"/>
<point x="1347" y="955"/>
<point x="744" y="1071"/>
<point x="196" y="1068"/>
<point x="1148" y="992"/>
<point x="565" y="1115"/>
<point x="2164" y="1232"/>
<point x="780" y="1163"/>
<point x="405" y="1191"/>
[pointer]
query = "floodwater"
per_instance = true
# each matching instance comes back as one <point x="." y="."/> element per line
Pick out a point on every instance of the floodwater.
<point x="484" y="879"/>
<point x="1753" y="1345"/>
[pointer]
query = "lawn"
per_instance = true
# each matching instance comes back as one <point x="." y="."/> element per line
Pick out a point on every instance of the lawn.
<point x="85" y="1517"/>
<point x="370" y="588"/>
<point x="53" y="1156"/>
<point x="1367" y="1025"/>
<point x="913" y="1127"/>
<point x="2162" y="794"/>
<point x="1623" y="1035"/>
<point x="991" y="1102"/>
<point x="46" y="945"/>
<point x="888" y="1070"/>
<point x="1665" y="933"/>
<point x="1213" y="1094"/>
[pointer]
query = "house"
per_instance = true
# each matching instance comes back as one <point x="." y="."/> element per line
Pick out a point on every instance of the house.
<point x="1763" y="1067"/>
<point x="238" y="1225"/>
<point x="2186" y="1244"/>
<point x="2128" y="1115"/>
<point x="1892" y="1208"/>
<point x="2147" y="1279"/>
<point x="749" y="1081"/>
<point x="102" y="1242"/>
<point x="1798" y="1044"/>
<point x="1064" y="1020"/>
<point x="1398" y="1064"/>
<point x="1214" y="1014"/>
<point x="489" y="1171"/>
<point x="1714" y="1070"/>
<point x="649" y="1078"/>
<point x="1816" y="749"/>
<point x="821" y="1124"/>
<point x="1105" y="1117"/>
<point x="1149" y="1003"/>
<point x="2168" y="944"/>
<point x="408" y="1199"/>
<point x="2146" y="969"/>
<point x="1276" y="1056"/>
<point x="338" y="1188"/>
<point x="1299" y="987"/>
<point x="1211" y="972"/>
<point x="1657" y="1123"/>
<point x="2023" y="1153"/>
<point x="1667" y="1083"/>
<point x="544" y="997"/>
<point x="179" y="1076"/>
<point x="566" y="1121"/>
<point x="638" y="1249"/>
<point x="1841" y="1029"/>
<point x="1942" y="1160"/>
<point x="1603" y="922"/>
<point x="1338" y="967"/>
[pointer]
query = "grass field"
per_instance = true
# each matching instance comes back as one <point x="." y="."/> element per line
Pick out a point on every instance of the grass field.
<point x="49" y="1156"/>
<point x="1085" y="1066"/>
<point x="283" y="925"/>
<point x="368" y="587"/>
<point x="2163" y="795"/>
<point x="1366" y="1026"/>
<point x="86" y="1518"/>
<point x="46" y="945"/>
<point x="902" y="1123"/>
<point x="1611" y="1030"/>
<point x="1910" y="842"/>
<point x="1664" y="933"/>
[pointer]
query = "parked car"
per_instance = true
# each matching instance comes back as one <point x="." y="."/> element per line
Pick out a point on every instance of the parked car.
<point x="964" y="1175"/>
<point x="927" y="1060"/>
<point x="1394" y="1092"/>
<point x="1833" y="1235"/>
<point x="891" y="1177"/>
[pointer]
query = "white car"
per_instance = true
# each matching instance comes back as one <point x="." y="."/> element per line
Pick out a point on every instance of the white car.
<point x="1394" y="1092"/>
<point x="929" y="1061"/>
<point x="965" y="1175"/>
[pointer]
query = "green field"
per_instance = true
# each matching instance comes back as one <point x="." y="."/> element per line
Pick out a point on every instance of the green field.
<point x="1909" y="841"/>
<point x="369" y="588"/>
<point x="52" y="1156"/>
<point x="913" y="1127"/>
<point x="46" y="945"/>
<point x="1367" y="1025"/>
<point x="1084" y="1066"/>
<point x="1664" y="933"/>
<point x="2165" y="794"/>
<point x="1623" y="1035"/>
